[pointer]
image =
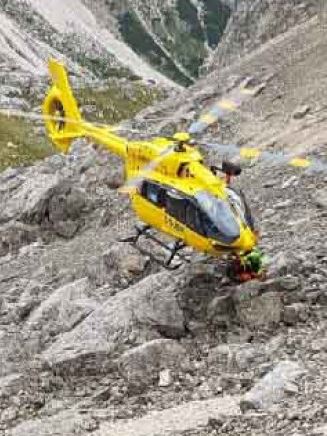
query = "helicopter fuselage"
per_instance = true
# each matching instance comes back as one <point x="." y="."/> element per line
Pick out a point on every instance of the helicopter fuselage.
<point x="175" y="193"/>
<point x="168" y="198"/>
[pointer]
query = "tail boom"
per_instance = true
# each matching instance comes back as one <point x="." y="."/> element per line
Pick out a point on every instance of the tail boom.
<point x="63" y="119"/>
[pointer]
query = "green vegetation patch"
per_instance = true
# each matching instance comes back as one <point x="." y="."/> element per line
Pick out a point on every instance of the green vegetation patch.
<point x="114" y="103"/>
<point x="189" y="14"/>
<point x="19" y="144"/>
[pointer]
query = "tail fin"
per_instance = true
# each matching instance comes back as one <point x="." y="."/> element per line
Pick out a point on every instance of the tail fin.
<point x="62" y="116"/>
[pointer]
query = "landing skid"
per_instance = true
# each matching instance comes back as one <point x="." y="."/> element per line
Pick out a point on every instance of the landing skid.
<point x="173" y="249"/>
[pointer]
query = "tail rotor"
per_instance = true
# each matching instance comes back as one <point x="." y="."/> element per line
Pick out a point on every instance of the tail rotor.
<point x="62" y="116"/>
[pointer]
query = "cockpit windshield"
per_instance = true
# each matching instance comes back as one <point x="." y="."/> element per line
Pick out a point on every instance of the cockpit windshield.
<point x="219" y="220"/>
<point x="239" y="202"/>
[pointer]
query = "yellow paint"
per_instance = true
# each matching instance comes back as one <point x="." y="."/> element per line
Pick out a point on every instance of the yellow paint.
<point x="182" y="136"/>
<point x="146" y="159"/>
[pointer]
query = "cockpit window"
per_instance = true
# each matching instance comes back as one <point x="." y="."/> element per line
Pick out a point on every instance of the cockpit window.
<point x="238" y="200"/>
<point x="219" y="221"/>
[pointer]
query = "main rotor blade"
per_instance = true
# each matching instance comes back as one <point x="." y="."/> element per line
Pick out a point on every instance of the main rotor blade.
<point x="315" y="165"/>
<point x="134" y="183"/>
<point x="226" y="105"/>
<point x="34" y="116"/>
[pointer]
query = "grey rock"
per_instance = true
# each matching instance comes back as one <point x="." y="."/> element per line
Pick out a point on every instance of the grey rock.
<point x="259" y="311"/>
<point x="13" y="103"/>
<point x="68" y="423"/>
<point x="289" y="283"/>
<point x="272" y="388"/>
<point x="301" y="112"/>
<point x="246" y="356"/>
<point x="10" y="385"/>
<point x="66" y="229"/>
<point x="125" y="259"/>
<point x="10" y="91"/>
<point x="64" y="309"/>
<point x="283" y="204"/>
<point x="120" y="266"/>
<point x="319" y="345"/>
<point x="138" y="314"/>
<point x="294" y="313"/>
<point x="44" y="199"/>
<point x="28" y="198"/>
<point x="237" y="357"/>
<point x="321" y="198"/>
<point x="290" y="182"/>
<point x="32" y="295"/>
<point x="181" y="419"/>
<point x="221" y="310"/>
<point x="14" y="235"/>
<point x="165" y="378"/>
<point x="9" y="414"/>
<point x="320" y="431"/>
<point x="281" y="264"/>
<point x="142" y="365"/>
<point x="222" y="354"/>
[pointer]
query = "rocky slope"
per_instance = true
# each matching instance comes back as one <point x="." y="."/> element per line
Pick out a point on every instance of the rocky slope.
<point x="255" y="22"/>
<point x="152" y="39"/>
<point x="97" y="339"/>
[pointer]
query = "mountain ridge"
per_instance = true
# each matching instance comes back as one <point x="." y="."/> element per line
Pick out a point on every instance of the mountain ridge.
<point x="166" y="42"/>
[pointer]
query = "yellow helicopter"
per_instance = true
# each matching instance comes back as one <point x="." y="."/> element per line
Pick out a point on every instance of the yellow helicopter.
<point x="170" y="188"/>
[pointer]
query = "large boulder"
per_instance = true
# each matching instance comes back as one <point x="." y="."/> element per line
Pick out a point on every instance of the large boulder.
<point x="119" y="266"/>
<point x="62" y="311"/>
<point x="27" y="199"/>
<point x="141" y="365"/>
<point x="44" y="199"/>
<point x="273" y="387"/>
<point x="136" y="315"/>
<point x="255" y="311"/>
<point x="33" y="294"/>
<point x="14" y="235"/>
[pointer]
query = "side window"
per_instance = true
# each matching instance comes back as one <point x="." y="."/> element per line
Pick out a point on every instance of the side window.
<point x="154" y="193"/>
<point x="176" y="206"/>
<point x="194" y="219"/>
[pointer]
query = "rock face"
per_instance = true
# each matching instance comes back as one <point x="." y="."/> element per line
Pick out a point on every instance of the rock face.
<point x="255" y="22"/>
<point x="14" y="235"/>
<point x="258" y="311"/>
<point x="110" y="39"/>
<point x="65" y="309"/>
<point x="140" y="313"/>
<point x="45" y="200"/>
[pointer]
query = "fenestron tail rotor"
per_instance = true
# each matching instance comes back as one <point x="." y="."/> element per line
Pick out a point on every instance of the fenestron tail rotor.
<point x="230" y="103"/>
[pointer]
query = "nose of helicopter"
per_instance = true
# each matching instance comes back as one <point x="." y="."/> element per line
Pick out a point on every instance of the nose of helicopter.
<point x="247" y="241"/>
